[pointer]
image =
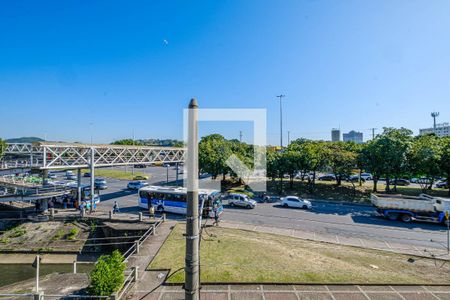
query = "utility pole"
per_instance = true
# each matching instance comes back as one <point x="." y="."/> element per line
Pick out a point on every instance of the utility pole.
<point x="281" y="119"/>
<point x="240" y="136"/>
<point x="434" y="115"/>
<point x="289" y="137"/>
<point x="91" y="166"/>
<point x="192" y="278"/>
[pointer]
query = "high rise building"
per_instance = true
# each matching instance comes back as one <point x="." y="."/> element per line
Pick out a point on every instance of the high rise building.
<point x="442" y="130"/>
<point x="335" y="135"/>
<point x="353" y="136"/>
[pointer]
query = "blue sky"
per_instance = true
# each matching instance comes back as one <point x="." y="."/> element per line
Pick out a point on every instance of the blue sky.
<point x="71" y="69"/>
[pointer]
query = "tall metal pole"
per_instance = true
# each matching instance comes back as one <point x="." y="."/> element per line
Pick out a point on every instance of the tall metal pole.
<point x="289" y="138"/>
<point x="434" y="115"/>
<point x="192" y="280"/>
<point x="281" y="120"/>
<point x="37" y="273"/>
<point x="92" y="162"/>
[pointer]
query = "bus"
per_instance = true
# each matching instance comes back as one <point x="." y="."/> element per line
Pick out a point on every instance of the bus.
<point x="85" y="195"/>
<point x="173" y="200"/>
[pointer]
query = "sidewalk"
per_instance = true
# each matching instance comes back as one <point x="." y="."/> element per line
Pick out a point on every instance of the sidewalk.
<point x="341" y="240"/>
<point x="307" y="292"/>
<point x="149" y="280"/>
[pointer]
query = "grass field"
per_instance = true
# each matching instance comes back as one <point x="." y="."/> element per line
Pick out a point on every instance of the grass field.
<point x="232" y="255"/>
<point x="117" y="174"/>
<point x="328" y="190"/>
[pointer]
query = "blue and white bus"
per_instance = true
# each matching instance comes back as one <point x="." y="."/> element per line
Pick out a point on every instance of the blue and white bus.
<point x="173" y="200"/>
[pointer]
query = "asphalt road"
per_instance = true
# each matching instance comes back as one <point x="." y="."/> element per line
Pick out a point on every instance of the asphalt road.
<point x="353" y="221"/>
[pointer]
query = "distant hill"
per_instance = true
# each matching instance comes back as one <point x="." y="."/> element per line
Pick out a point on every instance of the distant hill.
<point x="29" y="139"/>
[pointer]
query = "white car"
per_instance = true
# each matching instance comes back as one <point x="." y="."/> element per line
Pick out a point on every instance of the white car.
<point x="241" y="200"/>
<point x="293" y="201"/>
<point x="366" y="176"/>
<point x="135" y="185"/>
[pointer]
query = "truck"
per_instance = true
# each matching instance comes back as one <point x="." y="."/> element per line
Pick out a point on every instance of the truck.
<point x="409" y="208"/>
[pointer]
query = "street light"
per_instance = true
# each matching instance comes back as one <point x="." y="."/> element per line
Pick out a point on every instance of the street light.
<point x="281" y="119"/>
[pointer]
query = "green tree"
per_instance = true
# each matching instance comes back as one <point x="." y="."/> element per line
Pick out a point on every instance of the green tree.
<point x="2" y="147"/>
<point x="341" y="160"/>
<point x="108" y="275"/>
<point x="445" y="159"/>
<point x="386" y="155"/>
<point x="127" y="142"/>
<point x="425" y="158"/>
<point x="214" y="150"/>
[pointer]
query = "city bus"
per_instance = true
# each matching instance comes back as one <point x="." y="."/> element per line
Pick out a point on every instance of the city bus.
<point x="173" y="200"/>
<point x="85" y="195"/>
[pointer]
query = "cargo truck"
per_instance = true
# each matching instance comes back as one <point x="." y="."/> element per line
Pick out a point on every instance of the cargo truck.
<point x="408" y="208"/>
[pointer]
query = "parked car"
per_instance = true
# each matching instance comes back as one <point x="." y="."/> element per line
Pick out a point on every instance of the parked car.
<point x="69" y="173"/>
<point x="329" y="177"/>
<point x="400" y="182"/>
<point x="140" y="166"/>
<point x="355" y="178"/>
<point x="51" y="176"/>
<point x="137" y="184"/>
<point x="366" y="176"/>
<point x="294" y="201"/>
<point x="87" y="174"/>
<point x="71" y="177"/>
<point x="140" y="177"/>
<point x="271" y="199"/>
<point x="241" y="200"/>
<point x="442" y="185"/>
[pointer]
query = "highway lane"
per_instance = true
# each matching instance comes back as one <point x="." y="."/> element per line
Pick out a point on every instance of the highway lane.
<point x="351" y="221"/>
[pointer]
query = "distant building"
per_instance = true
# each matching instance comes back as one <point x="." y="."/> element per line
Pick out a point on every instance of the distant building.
<point x="335" y="135"/>
<point x="353" y="136"/>
<point x="442" y="130"/>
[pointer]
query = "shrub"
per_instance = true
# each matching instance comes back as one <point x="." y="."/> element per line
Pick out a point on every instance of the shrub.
<point x="107" y="277"/>
<point x="17" y="232"/>
<point x="73" y="233"/>
<point x="59" y="234"/>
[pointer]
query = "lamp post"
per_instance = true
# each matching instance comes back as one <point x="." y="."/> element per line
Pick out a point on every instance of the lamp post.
<point x="281" y="119"/>
<point x="192" y="277"/>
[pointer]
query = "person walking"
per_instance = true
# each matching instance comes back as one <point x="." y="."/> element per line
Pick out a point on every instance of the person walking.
<point x="116" y="207"/>
<point x="216" y="214"/>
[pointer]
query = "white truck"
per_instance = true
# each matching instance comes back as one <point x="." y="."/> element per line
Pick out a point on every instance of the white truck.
<point x="408" y="208"/>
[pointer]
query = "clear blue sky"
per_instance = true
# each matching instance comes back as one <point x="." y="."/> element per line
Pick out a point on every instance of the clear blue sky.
<point x="72" y="68"/>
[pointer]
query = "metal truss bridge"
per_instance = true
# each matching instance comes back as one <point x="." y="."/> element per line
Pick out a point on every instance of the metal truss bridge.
<point x="49" y="155"/>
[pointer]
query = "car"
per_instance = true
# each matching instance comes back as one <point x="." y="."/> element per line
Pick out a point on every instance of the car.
<point x="329" y="177"/>
<point x="140" y="177"/>
<point x="99" y="180"/>
<point x="87" y="174"/>
<point x="71" y="177"/>
<point x="51" y="176"/>
<point x="442" y="185"/>
<point x="401" y="182"/>
<point x="137" y="184"/>
<point x="100" y="186"/>
<point x="354" y="178"/>
<point x="366" y="176"/>
<point x="140" y="166"/>
<point x="423" y="180"/>
<point x="271" y="199"/>
<point x="296" y="202"/>
<point x="69" y="173"/>
<point x="241" y="200"/>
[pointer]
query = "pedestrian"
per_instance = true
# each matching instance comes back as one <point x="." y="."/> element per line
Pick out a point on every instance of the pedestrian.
<point x="116" y="207"/>
<point x="216" y="214"/>
<point x="65" y="200"/>
<point x="82" y="207"/>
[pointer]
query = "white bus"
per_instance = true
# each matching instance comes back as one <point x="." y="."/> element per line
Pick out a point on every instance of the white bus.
<point x="173" y="200"/>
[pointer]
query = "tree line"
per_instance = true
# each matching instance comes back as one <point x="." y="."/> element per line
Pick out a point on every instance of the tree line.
<point x="393" y="154"/>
